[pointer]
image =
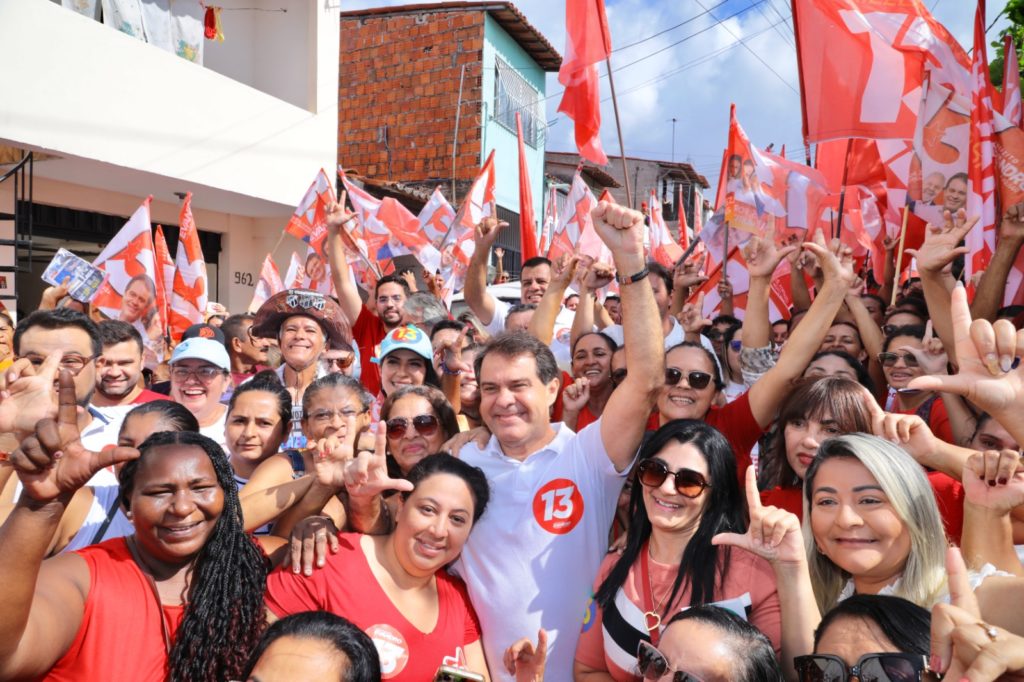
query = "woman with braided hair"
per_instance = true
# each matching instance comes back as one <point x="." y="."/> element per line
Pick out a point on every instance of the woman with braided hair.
<point x="181" y="599"/>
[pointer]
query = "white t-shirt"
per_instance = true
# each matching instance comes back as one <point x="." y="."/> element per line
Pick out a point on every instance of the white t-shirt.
<point x="559" y="339"/>
<point x="215" y="431"/>
<point x="533" y="556"/>
<point x="103" y="500"/>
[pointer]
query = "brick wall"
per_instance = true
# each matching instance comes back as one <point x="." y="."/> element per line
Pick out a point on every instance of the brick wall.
<point x="403" y="71"/>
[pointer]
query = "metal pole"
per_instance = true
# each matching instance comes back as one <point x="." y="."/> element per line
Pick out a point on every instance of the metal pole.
<point x="673" y="140"/>
<point x="455" y="140"/>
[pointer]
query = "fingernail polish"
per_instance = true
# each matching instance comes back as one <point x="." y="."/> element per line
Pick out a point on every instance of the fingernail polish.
<point x="1006" y="363"/>
<point x="992" y="484"/>
<point x="1003" y="481"/>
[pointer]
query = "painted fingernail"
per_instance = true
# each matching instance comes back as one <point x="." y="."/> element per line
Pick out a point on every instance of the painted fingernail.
<point x="992" y="362"/>
<point x="991" y="484"/>
<point x="1005" y="363"/>
<point x="1003" y="481"/>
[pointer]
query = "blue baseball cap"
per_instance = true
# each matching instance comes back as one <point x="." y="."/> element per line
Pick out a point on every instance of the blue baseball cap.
<point x="407" y="337"/>
<point x="198" y="348"/>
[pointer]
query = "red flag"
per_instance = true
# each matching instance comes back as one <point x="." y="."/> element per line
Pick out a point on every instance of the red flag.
<point x="365" y="236"/>
<point x="574" y="220"/>
<point x="550" y="220"/>
<point x="129" y="263"/>
<point x="436" y="217"/>
<point x="165" y="276"/>
<point x="779" y="301"/>
<point x="1012" y="109"/>
<point x="457" y="247"/>
<point x="664" y="249"/>
<point x="270" y="283"/>
<point x="406" y="236"/>
<point x="190" y="294"/>
<point x="981" y="169"/>
<point x="527" y="225"/>
<point x="296" y="274"/>
<point x="309" y="222"/>
<point x="698" y="213"/>
<point x="587" y="42"/>
<point x="607" y="196"/>
<point x="684" y="229"/>
<point x="862" y="64"/>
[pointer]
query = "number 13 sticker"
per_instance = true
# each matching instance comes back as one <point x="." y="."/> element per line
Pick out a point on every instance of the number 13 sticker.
<point x="558" y="506"/>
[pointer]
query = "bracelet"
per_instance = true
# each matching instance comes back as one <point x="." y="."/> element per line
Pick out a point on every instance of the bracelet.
<point x="633" y="279"/>
<point x="445" y="370"/>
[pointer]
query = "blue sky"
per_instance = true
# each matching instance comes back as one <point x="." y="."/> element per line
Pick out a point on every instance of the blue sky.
<point x="693" y="72"/>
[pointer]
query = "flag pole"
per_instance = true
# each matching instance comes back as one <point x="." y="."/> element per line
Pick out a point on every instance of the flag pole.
<point x="899" y="255"/>
<point x="618" y="129"/>
<point x="725" y="254"/>
<point x="842" y="190"/>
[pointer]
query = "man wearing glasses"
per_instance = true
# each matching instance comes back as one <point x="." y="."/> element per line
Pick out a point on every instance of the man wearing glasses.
<point x="200" y="373"/>
<point x="46" y="332"/>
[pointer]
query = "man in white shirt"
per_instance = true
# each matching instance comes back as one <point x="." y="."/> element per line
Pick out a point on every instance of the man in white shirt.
<point x="531" y="560"/>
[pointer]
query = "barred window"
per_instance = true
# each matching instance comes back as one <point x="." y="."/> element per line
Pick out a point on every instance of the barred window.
<point x="514" y="93"/>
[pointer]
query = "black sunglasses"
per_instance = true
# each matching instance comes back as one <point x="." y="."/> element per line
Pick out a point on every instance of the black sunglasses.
<point x="695" y="379"/>
<point x="424" y="424"/>
<point x="689" y="483"/>
<point x="889" y="359"/>
<point x="876" y="667"/>
<point x="653" y="665"/>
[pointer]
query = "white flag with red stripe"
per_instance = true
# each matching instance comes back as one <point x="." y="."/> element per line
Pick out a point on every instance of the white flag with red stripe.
<point x="129" y="292"/>
<point x="269" y="283"/>
<point x="779" y="300"/>
<point x="296" y="274"/>
<point x="436" y="217"/>
<point x="981" y="170"/>
<point x="1012" y="109"/>
<point x="664" y="248"/>
<point x="458" y="245"/>
<point x="574" y="220"/>
<point x="190" y="293"/>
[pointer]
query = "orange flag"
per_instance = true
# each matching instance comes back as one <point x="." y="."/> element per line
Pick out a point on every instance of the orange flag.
<point x="165" y="275"/>
<point x="189" y="295"/>
<point x="684" y="229"/>
<point x="587" y="42"/>
<point x="527" y="226"/>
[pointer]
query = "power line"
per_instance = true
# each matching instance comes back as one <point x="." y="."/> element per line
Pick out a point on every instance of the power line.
<point x="670" y="28"/>
<point x="785" y="38"/>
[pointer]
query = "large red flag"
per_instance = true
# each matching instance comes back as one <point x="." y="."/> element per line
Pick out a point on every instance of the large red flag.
<point x="190" y="294"/>
<point x="527" y="225"/>
<point x="1012" y="110"/>
<point x="165" y="275"/>
<point x="862" y="64"/>
<point x="981" y="168"/>
<point x="587" y="42"/>
<point x="458" y="245"/>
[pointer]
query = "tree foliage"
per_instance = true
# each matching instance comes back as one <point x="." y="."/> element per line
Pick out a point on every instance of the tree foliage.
<point x="1014" y="11"/>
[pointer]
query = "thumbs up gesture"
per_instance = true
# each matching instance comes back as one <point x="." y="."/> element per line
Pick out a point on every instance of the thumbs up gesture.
<point x="773" y="533"/>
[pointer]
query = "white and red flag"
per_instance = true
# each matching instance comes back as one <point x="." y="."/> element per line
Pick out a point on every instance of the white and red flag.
<point x="457" y="246"/>
<point x="165" y="278"/>
<point x="779" y="300"/>
<point x="129" y="292"/>
<point x="587" y="42"/>
<point x="664" y="248"/>
<point x="550" y="220"/>
<point x="698" y="212"/>
<point x="981" y="167"/>
<point x="405" y="236"/>
<point x="436" y="217"/>
<point x="365" y="236"/>
<point x="269" y="283"/>
<point x="862" y="64"/>
<point x="295" y="276"/>
<point x="309" y="222"/>
<point x="574" y="220"/>
<point x="684" y="229"/>
<point x="190" y="293"/>
<point x="1012" y="110"/>
<point x="527" y="224"/>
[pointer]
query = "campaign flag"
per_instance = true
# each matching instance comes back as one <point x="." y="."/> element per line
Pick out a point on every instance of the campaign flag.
<point x="129" y="292"/>
<point x="606" y="195"/>
<point x="269" y="283"/>
<point x="664" y="248"/>
<point x="574" y="219"/>
<point x="365" y="236"/>
<point x="189" y="294"/>
<point x="550" y="220"/>
<point x="684" y="229"/>
<point x="527" y="225"/>
<point x="309" y="222"/>
<point x="1011" y="109"/>
<point x="698" y="212"/>
<point x="165" y="278"/>
<point x="406" y="236"/>
<point x="779" y="300"/>
<point x="862" y="64"/>
<point x="296" y="274"/>
<point x="458" y="245"/>
<point x="436" y="217"/>
<point x="587" y="42"/>
<point x="981" y="167"/>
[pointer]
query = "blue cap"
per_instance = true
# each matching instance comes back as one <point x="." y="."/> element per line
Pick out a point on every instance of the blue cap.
<point x="198" y="348"/>
<point x="408" y="337"/>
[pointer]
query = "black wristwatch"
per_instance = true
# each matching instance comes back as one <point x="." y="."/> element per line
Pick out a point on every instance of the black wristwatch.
<point x="632" y="279"/>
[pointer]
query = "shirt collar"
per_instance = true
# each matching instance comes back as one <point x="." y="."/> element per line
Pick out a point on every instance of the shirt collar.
<point x="557" y="444"/>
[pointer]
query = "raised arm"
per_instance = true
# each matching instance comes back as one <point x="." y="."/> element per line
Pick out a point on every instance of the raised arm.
<point x="475" y="293"/>
<point x="542" y="324"/>
<point x="768" y="392"/>
<point x="44" y="603"/>
<point x="993" y="488"/>
<point x="989" y="296"/>
<point x="625" y="416"/>
<point x="762" y="260"/>
<point x="596" y="276"/>
<point x="348" y="294"/>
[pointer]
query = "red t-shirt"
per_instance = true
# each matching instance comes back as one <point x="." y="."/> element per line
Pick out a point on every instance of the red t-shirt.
<point x="949" y="494"/>
<point x="347" y="587"/>
<point x="368" y="332"/>
<point x="584" y="418"/>
<point x="120" y="637"/>
<point x="148" y="396"/>
<point x="938" y="419"/>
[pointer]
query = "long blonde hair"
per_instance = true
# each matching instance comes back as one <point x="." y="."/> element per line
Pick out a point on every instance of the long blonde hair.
<point x="905" y="484"/>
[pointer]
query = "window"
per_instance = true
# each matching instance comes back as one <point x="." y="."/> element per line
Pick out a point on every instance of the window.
<point x="514" y="93"/>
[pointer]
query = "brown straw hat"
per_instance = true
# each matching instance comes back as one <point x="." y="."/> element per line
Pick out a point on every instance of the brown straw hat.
<point x="290" y="302"/>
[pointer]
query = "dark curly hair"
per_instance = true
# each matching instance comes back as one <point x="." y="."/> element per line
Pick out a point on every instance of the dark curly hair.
<point x="224" y="611"/>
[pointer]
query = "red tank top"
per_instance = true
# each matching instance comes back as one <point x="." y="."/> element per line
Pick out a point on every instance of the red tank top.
<point x="120" y="637"/>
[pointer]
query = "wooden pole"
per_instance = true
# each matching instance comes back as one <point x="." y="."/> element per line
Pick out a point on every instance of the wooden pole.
<point x="725" y="255"/>
<point x="842" y="191"/>
<point x="899" y="255"/>
<point x="618" y="129"/>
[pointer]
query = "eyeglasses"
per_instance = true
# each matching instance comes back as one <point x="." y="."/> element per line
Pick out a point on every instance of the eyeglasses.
<point x="697" y="380"/>
<point x="324" y="416"/>
<point x="874" y="667"/>
<point x="72" y="363"/>
<point x="653" y="665"/>
<point x="735" y="345"/>
<point x="424" y="424"/>
<point x="713" y="335"/>
<point x="343" y="362"/>
<point x="204" y="374"/>
<point x="889" y="359"/>
<point x="689" y="483"/>
<point x="618" y="375"/>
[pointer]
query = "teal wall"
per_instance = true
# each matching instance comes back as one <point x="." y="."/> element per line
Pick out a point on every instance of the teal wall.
<point x="496" y="136"/>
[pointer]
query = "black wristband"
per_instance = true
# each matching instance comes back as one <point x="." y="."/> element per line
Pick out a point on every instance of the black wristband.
<point x="633" y="279"/>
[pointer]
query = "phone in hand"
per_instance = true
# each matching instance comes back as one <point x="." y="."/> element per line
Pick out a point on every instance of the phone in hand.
<point x="449" y="674"/>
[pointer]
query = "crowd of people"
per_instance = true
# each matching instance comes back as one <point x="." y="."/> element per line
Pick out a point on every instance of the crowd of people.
<point x="595" y="482"/>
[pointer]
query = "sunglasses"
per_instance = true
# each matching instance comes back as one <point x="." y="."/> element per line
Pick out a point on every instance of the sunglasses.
<point x="653" y="665"/>
<point x="618" y="376"/>
<point x="697" y="380"/>
<point x="689" y="483"/>
<point x="875" y="667"/>
<point x="889" y="359"/>
<point x="424" y="424"/>
<point x="343" y="362"/>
